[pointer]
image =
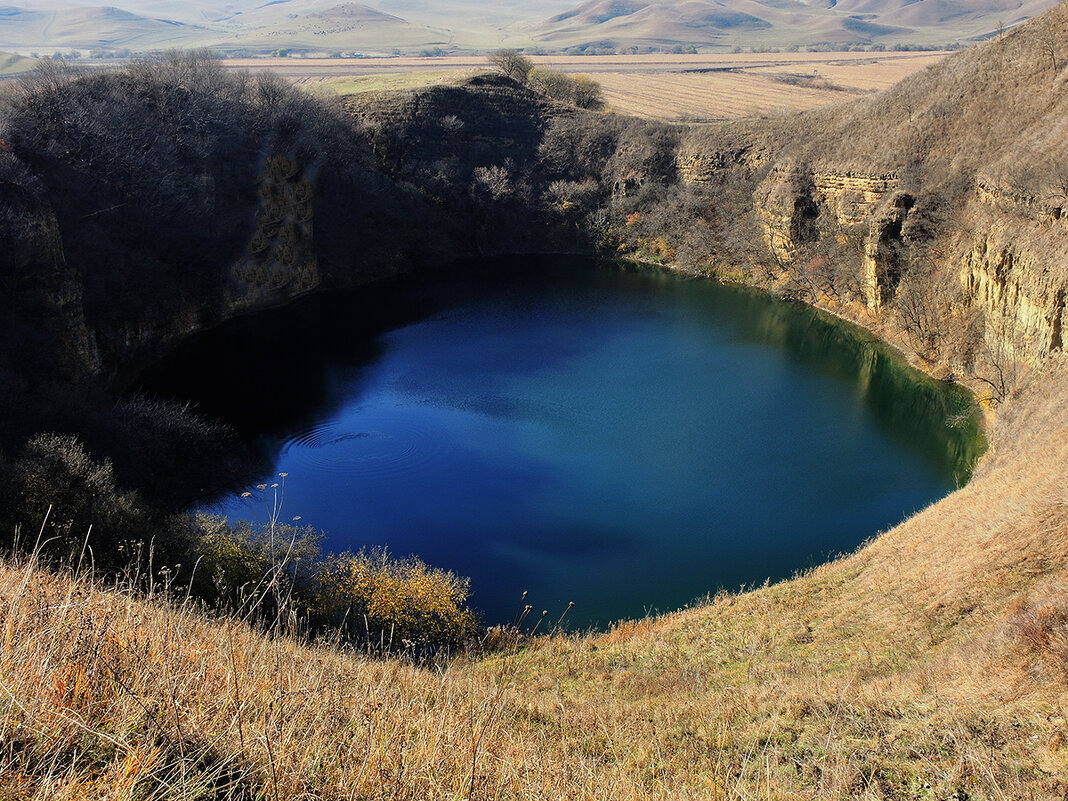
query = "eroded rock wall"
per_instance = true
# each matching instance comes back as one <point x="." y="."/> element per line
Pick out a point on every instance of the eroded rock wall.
<point x="1008" y="247"/>
<point x="1012" y="268"/>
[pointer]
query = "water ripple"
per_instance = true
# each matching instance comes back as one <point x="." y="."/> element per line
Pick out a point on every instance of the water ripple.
<point x="408" y="448"/>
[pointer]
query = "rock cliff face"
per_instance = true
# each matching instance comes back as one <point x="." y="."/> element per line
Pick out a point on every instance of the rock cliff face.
<point x="1008" y="268"/>
<point x="280" y="258"/>
<point x="1009" y="256"/>
<point x="942" y="202"/>
<point x="44" y="317"/>
<point x="798" y="207"/>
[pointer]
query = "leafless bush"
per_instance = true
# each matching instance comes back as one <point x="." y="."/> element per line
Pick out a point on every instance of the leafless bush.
<point x="493" y="182"/>
<point x="574" y="196"/>
<point x="512" y="63"/>
<point x="74" y="499"/>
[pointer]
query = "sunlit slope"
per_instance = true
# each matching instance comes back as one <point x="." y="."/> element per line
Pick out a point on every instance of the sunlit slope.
<point x="890" y="670"/>
<point x="607" y="23"/>
<point x="12" y="64"/>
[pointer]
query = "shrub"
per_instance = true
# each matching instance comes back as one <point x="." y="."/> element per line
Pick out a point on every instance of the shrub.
<point x="574" y="196"/>
<point x="552" y="84"/>
<point x="248" y="570"/>
<point x="56" y="479"/>
<point x="586" y="92"/>
<point x="277" y="572"/>
<point x="512" y="63"/>
<point x="401" y="601"/>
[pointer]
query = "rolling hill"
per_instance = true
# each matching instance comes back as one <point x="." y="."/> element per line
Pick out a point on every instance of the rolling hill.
<point x="94" y="26"/>
<point x="658" y="23"/>
<point x="343" y="27"/>
<point x="412" y="26"/>
<point x="12" y="64"/>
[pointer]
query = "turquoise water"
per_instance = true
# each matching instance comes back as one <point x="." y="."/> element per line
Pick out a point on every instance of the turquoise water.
<point x="622" y="438"/>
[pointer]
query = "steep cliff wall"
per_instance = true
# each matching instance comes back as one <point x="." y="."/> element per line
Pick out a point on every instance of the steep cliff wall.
<point x="1012" y="267"/>
<point x="43" y="320"/>
<point x="1007" y="248"/>
<point x="798" y="207"/>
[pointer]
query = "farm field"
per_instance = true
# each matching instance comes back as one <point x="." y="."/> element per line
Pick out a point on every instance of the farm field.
<point x="665" y="87"/>
<point x="709" y="96"/>
<point x="872" y="74"/>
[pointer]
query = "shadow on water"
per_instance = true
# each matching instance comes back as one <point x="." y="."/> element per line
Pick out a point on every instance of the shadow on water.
<point x="463" y="417"/>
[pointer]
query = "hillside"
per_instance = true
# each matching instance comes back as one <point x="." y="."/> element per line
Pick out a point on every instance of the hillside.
<point x="415" y="26"/>
<point x="91" y="27"/>
<point x="11" y="64"/>
<point x="657" y="23"/>
<point x="348" y="27"/>
<point x="931" y="663"/>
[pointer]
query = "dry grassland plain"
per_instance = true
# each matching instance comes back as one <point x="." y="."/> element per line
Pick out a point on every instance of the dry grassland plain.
<point x="664" y="87"/>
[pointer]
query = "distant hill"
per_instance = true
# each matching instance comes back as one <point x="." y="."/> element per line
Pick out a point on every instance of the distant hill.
<point x="94" y="26"/>
<point x="343" y="27"/>
<point x="619" y="24"/>
<point x="413" y="26"/>
<point x="12" y="64"/>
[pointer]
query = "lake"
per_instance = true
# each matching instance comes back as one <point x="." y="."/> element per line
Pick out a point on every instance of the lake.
<point x="585" y="431"/>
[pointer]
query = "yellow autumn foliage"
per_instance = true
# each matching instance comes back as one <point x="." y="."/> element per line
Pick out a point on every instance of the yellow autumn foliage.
<point x="402" y="601"/>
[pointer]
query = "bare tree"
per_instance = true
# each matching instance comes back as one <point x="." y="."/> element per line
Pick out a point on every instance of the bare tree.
<point x="999" y="369"/>
<point x="494" y="181"/>
<point x="1048" y="42"/>
<point x="512" y="63"/>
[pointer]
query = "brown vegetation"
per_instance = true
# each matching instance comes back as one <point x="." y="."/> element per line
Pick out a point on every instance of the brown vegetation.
<point x="579" y="90"/>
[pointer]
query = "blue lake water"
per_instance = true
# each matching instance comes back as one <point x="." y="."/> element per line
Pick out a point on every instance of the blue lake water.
<point x="618" y="437"/>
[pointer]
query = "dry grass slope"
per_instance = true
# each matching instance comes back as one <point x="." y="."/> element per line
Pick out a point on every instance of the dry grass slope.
<point x="932" y="663"/>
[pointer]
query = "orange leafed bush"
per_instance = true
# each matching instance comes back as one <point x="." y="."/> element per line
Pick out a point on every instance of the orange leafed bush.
<point x="404" y="601"/>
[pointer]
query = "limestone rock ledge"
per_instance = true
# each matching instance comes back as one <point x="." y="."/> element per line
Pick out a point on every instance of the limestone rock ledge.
<point x="798" y="207"/>
<point x="1013" y="270"/>
<point x="1011" y="256"/>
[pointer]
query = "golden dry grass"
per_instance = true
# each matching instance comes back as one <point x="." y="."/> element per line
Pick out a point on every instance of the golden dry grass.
<point x="389" y="81"/>
<point x="930" y="664"/>
<point x="866" y="75"/>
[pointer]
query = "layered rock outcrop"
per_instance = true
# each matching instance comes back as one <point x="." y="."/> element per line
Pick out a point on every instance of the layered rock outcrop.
<point x="798" y="207"/>
<point x="1011" y="253"/>
<point x="1009" y="270"/>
